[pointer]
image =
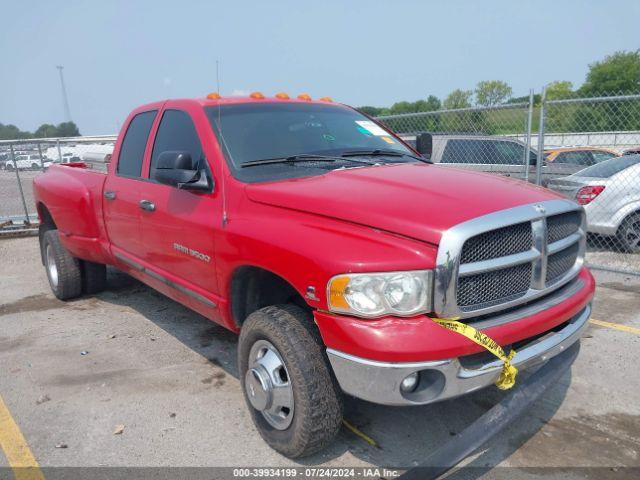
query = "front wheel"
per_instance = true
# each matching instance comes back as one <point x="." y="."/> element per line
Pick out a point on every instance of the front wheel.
<point x="293" y="398"/>
<point x="629" y="234"/>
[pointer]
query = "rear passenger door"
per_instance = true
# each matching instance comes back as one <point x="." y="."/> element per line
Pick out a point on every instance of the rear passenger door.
<point x="122" y="188"/>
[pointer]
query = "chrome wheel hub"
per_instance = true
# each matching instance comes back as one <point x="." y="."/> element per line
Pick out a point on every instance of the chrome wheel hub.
<point x="268" y="385"/>
<point x="52" y="269"/>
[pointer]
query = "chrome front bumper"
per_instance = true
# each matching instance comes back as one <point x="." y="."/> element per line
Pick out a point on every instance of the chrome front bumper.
<point x="379" y="382"/>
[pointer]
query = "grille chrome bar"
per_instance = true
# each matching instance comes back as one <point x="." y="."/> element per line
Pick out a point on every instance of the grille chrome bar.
<point x="561" y="222"/>
<point x="498" y="263"/>
<point x="564" y="243"/>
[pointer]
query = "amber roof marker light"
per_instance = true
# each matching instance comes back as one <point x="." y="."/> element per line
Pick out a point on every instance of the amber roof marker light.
<point x="282" y="96"/>
<point x="214" y="96"/>
<point x="326" y="99"/>
<point x="304" y="96"/>
<point x="257" y="95"/>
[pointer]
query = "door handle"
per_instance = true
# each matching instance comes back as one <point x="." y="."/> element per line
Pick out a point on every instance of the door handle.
<point x="147" y="205"/>
<point x="110" y="195"/>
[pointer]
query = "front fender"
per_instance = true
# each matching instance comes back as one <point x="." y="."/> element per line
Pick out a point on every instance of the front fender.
<point x="307" y="250"/>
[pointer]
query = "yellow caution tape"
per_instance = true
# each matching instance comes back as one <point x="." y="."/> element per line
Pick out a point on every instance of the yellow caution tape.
<point x="507" y="377"/>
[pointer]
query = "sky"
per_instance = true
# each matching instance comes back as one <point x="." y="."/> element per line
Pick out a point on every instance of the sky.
<point x="121" y="54"/>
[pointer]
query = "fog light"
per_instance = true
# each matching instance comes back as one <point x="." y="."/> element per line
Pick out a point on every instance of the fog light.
<point x="410" y="383"/>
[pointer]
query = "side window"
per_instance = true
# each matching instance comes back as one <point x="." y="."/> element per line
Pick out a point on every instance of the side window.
<point x="575" y="158"/>
<point x="178" y="134"/>
<point x="456" y="151"/>
<point x="601" y="156"/>
<point x="134" y="143"/>
<point x="509" y="153"/>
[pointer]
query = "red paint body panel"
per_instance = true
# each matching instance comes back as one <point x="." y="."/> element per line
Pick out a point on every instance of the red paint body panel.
<point x="304" y="230"/>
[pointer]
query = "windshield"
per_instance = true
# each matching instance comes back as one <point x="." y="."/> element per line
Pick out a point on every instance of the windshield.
<point x="251" y="132"/>
<point x="608" y="168"/>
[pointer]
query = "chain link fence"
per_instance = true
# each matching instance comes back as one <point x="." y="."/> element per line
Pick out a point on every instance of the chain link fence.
<point x="22" y="160"/>
<point x="600" y="130"/>
<point x="582" y="148"/>
<point x="588" y="147"/>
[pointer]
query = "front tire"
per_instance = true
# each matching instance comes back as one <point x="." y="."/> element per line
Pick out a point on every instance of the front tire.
<point x="629" y="234"/>
<point x="63" y="270"/>
<point x="293" y="398"/>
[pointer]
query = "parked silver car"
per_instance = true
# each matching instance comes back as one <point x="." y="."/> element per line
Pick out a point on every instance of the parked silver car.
<point x="610" y="194"/>
<point x="487" y="153"/>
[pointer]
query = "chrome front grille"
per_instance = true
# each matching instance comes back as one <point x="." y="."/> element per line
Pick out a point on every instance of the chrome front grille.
<point x="491" y="288"/>
<point x="508" y="257"/>
<point x="497" y="243"/>
<point x="561" y="262"/>
<point x="563" y="225"/>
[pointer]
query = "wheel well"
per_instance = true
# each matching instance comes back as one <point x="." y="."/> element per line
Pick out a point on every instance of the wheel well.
<point x="46" y="224"/>
<point x="253" y="288"/>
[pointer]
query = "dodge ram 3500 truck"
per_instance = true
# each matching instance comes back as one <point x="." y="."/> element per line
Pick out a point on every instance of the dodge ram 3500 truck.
<point x="329" y="245"/>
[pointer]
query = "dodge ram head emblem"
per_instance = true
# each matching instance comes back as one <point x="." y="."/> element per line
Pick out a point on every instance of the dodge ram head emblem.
<point x="540" y="209"/>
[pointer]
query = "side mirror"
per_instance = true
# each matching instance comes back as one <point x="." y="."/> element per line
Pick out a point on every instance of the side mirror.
<point x="177" y="169"/>
<point x="424" y="144"/>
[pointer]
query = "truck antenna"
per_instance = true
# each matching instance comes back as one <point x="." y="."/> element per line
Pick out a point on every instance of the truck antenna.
<point x="224" y="146"/>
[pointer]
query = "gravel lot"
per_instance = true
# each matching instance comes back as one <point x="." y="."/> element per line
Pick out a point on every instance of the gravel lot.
<point x="170" y="377"/>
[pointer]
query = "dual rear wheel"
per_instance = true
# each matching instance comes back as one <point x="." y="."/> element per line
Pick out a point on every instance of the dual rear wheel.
<point x="68" y="276"/>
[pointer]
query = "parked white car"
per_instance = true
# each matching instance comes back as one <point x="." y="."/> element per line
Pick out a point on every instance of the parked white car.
<point x="27" y="162"/>
<point x="610" y="194"/>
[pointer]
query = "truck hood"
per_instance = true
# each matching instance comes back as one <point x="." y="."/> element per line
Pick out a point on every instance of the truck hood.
<point x="419" y="201"/>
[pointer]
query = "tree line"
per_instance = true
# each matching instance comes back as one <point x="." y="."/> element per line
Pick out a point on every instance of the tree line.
<point x="616" y="74"/>
<point x="46" y="130"/>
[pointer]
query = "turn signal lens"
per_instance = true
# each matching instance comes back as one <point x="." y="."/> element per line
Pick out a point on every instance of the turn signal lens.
<point x="282" y="96"/>
<point x="588" y="194"/>
<point x="304" y="96"/>
<point x="326" y="99"/>
<point x="257" y="95"/>
<point x="378" y="294"/>
<point x="214" y="96"/>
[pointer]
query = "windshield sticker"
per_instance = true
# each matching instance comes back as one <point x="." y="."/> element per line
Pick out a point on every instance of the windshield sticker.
<point x="372" y="128"/>
<point x="364" y="131"/>
<point x="328" y="137"/>
<point x="388" y="140"/>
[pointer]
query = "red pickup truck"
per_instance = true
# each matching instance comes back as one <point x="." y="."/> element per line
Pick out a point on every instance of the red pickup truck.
<point x="329" y="245"/>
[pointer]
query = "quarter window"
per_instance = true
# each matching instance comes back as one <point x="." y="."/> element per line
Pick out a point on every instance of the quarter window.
<point x="134" y="144"/>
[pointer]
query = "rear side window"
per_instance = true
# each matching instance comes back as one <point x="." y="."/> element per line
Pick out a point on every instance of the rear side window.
<point x="134" y="143"/>
<point x="176" y="133"/>
<point x="575" y="158"/>
<point x="602" y="156"/>
<point x="609" y="168"/>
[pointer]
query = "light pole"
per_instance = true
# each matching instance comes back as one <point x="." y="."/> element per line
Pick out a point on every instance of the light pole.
<point x="65" y="100"/>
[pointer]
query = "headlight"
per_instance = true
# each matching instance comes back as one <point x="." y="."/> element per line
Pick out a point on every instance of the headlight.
<point x="378" y="294"/>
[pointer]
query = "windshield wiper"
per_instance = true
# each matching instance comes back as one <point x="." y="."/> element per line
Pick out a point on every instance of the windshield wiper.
<point x="290" y="159"/>
<point x="384" y="153"/>
<point x="302" y="157"/>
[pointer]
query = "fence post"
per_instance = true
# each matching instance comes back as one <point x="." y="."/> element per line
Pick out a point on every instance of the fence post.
<point x="24" y="203"/>
<point x="527" y="152"/>
<point x="40" y="155"/>
<point x="540" y="158"/>
<point x="59" y="152"/>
